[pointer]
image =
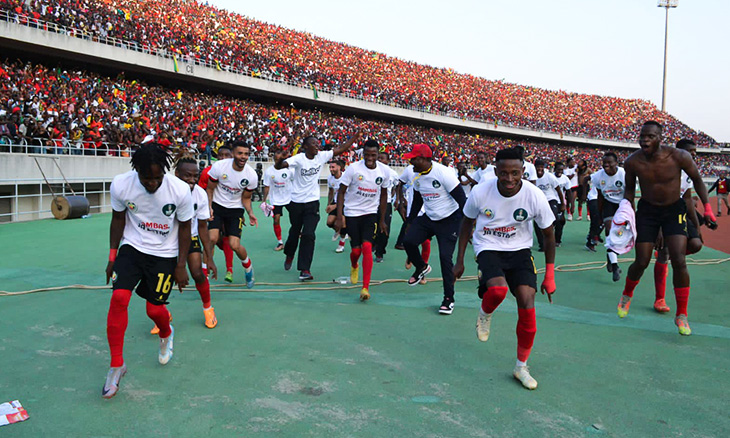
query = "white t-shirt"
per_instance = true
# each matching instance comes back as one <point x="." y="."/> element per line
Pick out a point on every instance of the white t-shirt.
<point x="435" y="188"/>
<point x="564" y="182"/>
<point x="572" y="174"/>
<point x="152" y="219"/>
<point x="505" y="224"/>
<point x="392" y="182"/>
<point x="407" y="179"/>
<point x="528" y="171"/>
<point x="201" y="212"/>
<point x="592" y="193"/>
<point x="466" y="187"/>
<point x="363" y="188"/>
<point x="334" y="184"/>
<point x="305" y="184"/>
<point x="548" y="183"/>
<point x="686" y="184"/>
<point x="480" y="175"/>
<point x="612" y="187"/>
<point x="231" y="182"/>
<point x="278" y="182"/>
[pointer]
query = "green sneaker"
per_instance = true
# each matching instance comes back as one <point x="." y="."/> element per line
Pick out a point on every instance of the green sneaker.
<point x="229" y="277"/>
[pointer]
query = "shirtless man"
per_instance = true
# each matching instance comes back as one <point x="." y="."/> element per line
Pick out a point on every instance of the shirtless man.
<point x="659" y="171"/>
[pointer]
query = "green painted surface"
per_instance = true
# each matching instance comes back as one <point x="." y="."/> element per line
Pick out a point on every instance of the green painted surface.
<point x="319" y="363"/>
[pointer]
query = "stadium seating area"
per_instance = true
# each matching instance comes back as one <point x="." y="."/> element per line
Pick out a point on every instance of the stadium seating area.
<point x="77" y="112"/>
<point x="202" y="33"/>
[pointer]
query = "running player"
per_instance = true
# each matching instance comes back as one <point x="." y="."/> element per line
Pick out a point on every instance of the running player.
<point x="381" y="238"/>
<point x="594" y="216"/>
<point x="277" y="192"/>
<point x="404" y="192"/>
<point x="224" y="153"/>
<point x="304" y="208"/>
<point x="503" y="211"/>
<point x="333" y="190"/>
<point x="149" y="241"/>
<point x="658" y="169"/>
<point x="484" y="171"/>
<point x="550" y="187"/>
<point x="361" y="200"/>
<point x="438" y="191"/>
<point x="584" y="174"/>
<point x="610" y="185"/>
<point x="230" y="185"/>
<point x="694" y="236"/>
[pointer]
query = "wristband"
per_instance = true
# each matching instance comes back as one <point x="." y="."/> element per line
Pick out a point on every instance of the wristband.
<point x="550" y="270"/>
<point x="708" y="212"/>
<point x="112" y="255"/>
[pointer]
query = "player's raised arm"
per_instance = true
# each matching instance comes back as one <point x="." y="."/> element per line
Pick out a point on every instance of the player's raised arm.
<point x="344" y="147"/>
<point x="280" y="159"/>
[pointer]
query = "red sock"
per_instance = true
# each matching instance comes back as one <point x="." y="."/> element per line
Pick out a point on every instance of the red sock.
<point x="228" y="253"/>
<point x="367" y="263"/>
<point x="355" y="256"/>
<point x="246" y="263"/>
<point x="426" y="250"/>
<point x="526" y="329"/>
<point x="277" y="231"/>
<point x="161" y="316"/>
<point x="493" y="297"/>
<point x="580" y="210"/>
<point x="660" y="280"/>
<point x="204" y="291"/>
<point x="630" y="286"/>
<point x="116" y="324"/>
<point x="682" y="295"/>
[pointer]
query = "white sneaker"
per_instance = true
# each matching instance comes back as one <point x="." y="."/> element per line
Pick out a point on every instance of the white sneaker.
<point x="336" y="236"/>
<point x="340" y="248"/>
<point x="580" y="218"/>
<point x="166" y="347"/>
<point x="568" y="216"/>
<point x="113" y="377"/>
<point x="484" y="322"/>
<point x="523" y="375"/>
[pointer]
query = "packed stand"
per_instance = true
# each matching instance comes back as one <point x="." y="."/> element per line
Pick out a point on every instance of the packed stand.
<point x="69" y="111"/>
<point x="201" y="33"/>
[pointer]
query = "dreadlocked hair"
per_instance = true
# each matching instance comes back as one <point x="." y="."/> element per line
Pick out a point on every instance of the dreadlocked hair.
<point x="183" y="156"/>
<point x="149" y="154"/>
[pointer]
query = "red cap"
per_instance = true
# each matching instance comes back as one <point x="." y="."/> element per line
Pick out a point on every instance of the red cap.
<point x="419" y="150"/>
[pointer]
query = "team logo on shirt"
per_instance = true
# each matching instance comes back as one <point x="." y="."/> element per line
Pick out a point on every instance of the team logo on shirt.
<point x="689" y="180"/>
<point x="603" y="183"/>
<point x="436" y="184"/>
<point x="520" y="215"/>
<point x="244" y="182"/>
<point x="379" y="180"/>
<point x="359" y="177"/>
<point x="284" y="175"/>
<point x="195" y="207"/>
<point x="224" y="176"/>
<point x="488" y="213"/>
<point x="169" y="209"/>
<point x="132" y="206"/>
<point x="619" y="184"/>
<point x="273" y="177"/>
<point x="526" y="175"/>
<point x="114" y="276"/>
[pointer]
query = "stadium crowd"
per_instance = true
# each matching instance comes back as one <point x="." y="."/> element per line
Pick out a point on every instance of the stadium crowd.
<point x="78" y="112"/>
<point x="198" y="32"/>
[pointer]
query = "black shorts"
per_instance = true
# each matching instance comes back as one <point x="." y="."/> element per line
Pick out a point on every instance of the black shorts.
<point x="362" y="228"/>
<point x="671" y="219"/>
<point x="580" y="193"/>
<point x="152" y="275"/>
<point x="230" y="219"/>
<point x="195" y="245"/>
<point x="517" y="267"/>
<point x="609" y="209"/>
<point x="333" y="212"/>
<point x="279" y="209"/>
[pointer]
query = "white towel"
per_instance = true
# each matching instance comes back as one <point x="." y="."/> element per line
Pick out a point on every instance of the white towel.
<point x="622" y="237"/>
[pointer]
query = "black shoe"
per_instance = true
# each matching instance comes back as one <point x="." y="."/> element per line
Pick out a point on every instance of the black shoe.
<point x="616" y="272"/>
<point x="590" y="247"/>
<point x="306" y="276"/>
<point x="540" y="250"/>
<point x="400" y="247"/>
<point x="378" y="259"/>
<point x="447" y="307"/>
<point x="557" y="244"/>
<point x="287" y="263"/>
<point x="599" y="238"/>
<point x="609" y="266"/>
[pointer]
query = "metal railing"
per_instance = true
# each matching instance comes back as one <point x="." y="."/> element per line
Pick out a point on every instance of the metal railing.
<point x="82" y="187"/>
<point x="265" y="74"/>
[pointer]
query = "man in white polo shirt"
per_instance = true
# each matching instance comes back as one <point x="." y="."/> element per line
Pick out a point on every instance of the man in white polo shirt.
<point x="437" y="190"/>
<point x="503" y="211"/>
<point x="304" y="206"/>
<point x="610" y="186"/>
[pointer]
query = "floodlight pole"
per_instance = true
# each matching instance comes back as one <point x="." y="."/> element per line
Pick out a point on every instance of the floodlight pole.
<point x="666" y="4"/>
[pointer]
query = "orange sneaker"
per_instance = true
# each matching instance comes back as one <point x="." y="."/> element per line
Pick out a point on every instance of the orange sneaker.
<point x="210" y="320"/>
<point x="683" y="325"/>
<point x="623" y="306"/>
<point x="156" y="330"/>
<point x="661" y="306"/>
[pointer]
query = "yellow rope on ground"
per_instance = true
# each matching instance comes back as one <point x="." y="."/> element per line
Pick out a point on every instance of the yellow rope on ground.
<point x="302" y="286"/>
